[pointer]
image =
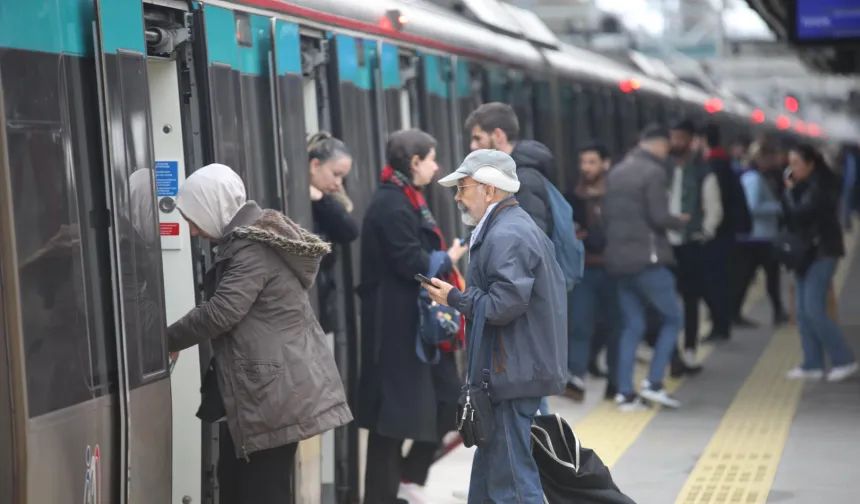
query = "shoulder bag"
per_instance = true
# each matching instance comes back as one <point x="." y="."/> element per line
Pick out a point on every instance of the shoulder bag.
<point x="474" y="408"/>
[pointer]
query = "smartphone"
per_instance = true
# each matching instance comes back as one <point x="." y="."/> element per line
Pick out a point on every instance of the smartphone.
<point x="423" y="279"/>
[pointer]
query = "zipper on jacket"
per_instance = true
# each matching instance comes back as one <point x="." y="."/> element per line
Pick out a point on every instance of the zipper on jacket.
<point x="653" y="248"/>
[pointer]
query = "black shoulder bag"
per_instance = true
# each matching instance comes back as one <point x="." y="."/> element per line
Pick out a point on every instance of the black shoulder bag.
<point x="474" y="408"/>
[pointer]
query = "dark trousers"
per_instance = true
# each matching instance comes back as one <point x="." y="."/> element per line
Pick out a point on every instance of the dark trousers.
<point x="265" y="478"/>
<point x="691" y="286"/>
<point x="753" y="256"/>
<point x="716" y="256"/>
<point x="386" y="467"/>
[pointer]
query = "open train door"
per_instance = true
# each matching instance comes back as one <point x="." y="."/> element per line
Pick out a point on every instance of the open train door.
<point x="138" y="298"/>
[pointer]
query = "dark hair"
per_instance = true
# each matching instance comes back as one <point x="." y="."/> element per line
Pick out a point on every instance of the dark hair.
<point x="490" y="116"/>
<point x="596" y="147"/>
<point x="324" y="147"/>
<point x="767" y="146"/>
<point x="743" y="140"/>
<point x="653" y="132"/>
<point x="810" y="154"/>
<point x="685" y="125"/>
<point x="404" y="144"/>
<point x="712" y="135"/>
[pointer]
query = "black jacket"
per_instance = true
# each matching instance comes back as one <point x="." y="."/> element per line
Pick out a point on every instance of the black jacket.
<point x="334" y="224"/>
<point x="736" y="215"/>
<point x="811" y="210"/>
<point x="534" y="163"/>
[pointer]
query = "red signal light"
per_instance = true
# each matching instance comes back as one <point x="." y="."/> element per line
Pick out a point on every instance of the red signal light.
<point x="758" y="116"/>
<point x="791" y="104"/>
<point x="783" y="122"/>
<point x="629" y="85"/>
<point x="714" y="105"/>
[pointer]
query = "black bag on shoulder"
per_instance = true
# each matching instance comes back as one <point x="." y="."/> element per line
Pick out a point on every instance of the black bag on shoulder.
<point x="793" y="250"/>
<point x="474" y="408"/>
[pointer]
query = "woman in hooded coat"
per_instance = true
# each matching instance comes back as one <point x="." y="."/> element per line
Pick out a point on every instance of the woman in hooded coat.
<point x="275" y="377"/>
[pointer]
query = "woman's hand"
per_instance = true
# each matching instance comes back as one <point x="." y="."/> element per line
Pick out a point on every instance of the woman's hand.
<point x="457" y="250"/>
<point x="316" y="194"/>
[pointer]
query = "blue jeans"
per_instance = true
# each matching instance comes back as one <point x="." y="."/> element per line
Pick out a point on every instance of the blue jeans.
<point x="594" y="299"/>
<point x="543" y="409"/>
<point x="505" y="472"/>
<point x="656" y="287"/>
<point x="819" y="332"/>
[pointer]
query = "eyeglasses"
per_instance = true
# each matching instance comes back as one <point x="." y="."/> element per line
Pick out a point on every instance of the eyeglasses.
<point x="461" y="187"/>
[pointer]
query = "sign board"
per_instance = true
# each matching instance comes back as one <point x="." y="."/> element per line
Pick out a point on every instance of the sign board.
<point x="166" y="178"/>
<point x="168" y="228"/>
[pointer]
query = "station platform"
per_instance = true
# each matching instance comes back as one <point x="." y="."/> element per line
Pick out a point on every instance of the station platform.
<point x="744" y="434"/>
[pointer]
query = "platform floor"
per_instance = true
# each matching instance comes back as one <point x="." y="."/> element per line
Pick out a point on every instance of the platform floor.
<point x="744" y="433"/>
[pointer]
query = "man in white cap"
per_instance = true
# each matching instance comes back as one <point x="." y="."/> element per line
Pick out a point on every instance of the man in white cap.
<point x="513" y="263"/>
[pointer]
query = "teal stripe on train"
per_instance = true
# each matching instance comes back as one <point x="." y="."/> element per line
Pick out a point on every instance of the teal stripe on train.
<point x="435" y="68"/>
<point x="390" y="66"/>
<point x="221" y="44"/>
<point x="53" y="26"/>
<point x="288" y="48"/>
<point x="348" y="67"/>
<point x="122" y="25"/>
<point x="464" y="80"/>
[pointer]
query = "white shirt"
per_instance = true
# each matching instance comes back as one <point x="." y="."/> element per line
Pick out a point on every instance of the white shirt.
<point x="479" y="226"/>
<point x="712" y="206"/>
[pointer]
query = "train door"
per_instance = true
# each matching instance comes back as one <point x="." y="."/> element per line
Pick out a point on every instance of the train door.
<point x="354" y="110"/>
<point x="145" y="405"/>
<point x="435" y="77"/>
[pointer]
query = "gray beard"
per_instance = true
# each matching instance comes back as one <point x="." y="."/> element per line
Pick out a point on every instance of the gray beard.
<point x="466" y="217"/>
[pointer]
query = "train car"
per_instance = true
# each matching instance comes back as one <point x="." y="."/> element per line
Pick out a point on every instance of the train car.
<point x="107" y="105"/>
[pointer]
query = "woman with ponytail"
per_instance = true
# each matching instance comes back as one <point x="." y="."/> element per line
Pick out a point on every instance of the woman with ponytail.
<point x="815" y="238"/>
<point x="329" y="162"/>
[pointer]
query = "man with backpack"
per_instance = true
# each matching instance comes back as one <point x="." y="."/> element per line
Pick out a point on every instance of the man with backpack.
<point x="495" y="126"/>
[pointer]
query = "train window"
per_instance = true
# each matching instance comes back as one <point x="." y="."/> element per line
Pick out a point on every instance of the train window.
<point x="140" y="247"/>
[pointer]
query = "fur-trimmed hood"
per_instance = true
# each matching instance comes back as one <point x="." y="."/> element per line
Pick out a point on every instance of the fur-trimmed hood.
<point x="301" y="250"/>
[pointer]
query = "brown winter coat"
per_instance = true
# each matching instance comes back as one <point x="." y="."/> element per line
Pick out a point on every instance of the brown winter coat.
<point x="276" y="374"/>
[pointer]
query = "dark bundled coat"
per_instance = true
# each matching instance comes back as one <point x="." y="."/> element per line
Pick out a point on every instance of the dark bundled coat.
<point x="535" y="163"/>
<point x="811" y="210"/>
<point x="334" y="224"/>
<point x="276" y="374"/>
<point x="400" y="397"/>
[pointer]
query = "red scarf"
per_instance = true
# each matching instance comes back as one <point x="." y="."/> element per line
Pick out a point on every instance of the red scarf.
<point x="716" y="153"/>
<point x="398" y="179"/>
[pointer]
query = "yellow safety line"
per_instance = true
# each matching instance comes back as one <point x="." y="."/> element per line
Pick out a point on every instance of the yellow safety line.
<point x="740" y="463"/>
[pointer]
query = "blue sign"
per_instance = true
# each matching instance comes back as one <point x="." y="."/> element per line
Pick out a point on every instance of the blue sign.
<point x="827" y="19"/>
<point x="166" y="178"/>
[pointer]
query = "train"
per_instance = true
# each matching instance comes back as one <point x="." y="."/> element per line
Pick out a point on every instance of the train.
<point x="107" y="105"/>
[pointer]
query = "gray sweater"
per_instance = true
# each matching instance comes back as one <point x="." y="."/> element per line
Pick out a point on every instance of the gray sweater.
<point x="636" y="215"/>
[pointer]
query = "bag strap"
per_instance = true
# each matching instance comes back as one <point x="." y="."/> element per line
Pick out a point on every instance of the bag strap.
<point x="479" y="315"/>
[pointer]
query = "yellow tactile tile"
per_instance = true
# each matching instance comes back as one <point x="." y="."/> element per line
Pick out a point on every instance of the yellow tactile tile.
<point x="740" y="463"/>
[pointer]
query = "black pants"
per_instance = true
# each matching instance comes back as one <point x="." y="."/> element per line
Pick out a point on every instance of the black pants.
<point x="265" y="478"/>
<point x="716" y="257"/>
<point x="386" y="467"/>
<point x="691" y="286"/>
<point x="753" y="256"/>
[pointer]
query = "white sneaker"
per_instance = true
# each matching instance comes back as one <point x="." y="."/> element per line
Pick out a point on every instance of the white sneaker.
<point x="689" y="358"/>
<point x="658" y="396"/>
<point x="839" y="373"/>
<point x="412" y="493"/>
<point x="630" y="404"/>
<point x="799" y="373"/>
<point x="463" y="495"/>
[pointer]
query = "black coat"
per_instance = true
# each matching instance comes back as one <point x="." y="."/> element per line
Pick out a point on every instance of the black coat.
<point x="535" y="163"/>
<point x="334" y="224"/>
<point x="736" y="214"/>
<point x="400" y="397"/>
<point x="811" y="210"/>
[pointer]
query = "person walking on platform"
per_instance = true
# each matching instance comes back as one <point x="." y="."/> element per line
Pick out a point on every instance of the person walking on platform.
<point x="273" y="378"/>
<point x="636" y="217"/>
<point x="401" y="395"/>
<point x="594" y="302"/>
<point x="694" y="190"/>
<point x="513" y="271"/>
<point x="811" y="203"/>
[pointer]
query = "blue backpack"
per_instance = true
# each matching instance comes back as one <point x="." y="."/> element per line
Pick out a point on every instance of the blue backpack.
<point x="569" y="251"/>
<point x="437" y="324"/>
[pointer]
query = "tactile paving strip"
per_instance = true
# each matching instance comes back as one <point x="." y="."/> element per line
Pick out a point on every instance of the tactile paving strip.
<point x="740" y="462"/>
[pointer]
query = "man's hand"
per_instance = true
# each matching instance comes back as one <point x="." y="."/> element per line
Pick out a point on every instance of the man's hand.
<point x="174" y="356"/>
<point x="438" y="291"/>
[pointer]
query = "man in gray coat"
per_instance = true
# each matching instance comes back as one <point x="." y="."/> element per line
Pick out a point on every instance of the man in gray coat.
<point x="513" y="263"/>
<point x="636" y="218"/>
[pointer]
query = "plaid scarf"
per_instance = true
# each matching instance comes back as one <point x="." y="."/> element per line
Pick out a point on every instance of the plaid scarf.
<point x="400" y="180"/>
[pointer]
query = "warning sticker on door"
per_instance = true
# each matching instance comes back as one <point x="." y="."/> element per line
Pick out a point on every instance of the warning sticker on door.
<point x="166" y="178"/>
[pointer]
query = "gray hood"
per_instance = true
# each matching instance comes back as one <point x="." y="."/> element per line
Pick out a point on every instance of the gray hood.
<point x="301" y="250"/>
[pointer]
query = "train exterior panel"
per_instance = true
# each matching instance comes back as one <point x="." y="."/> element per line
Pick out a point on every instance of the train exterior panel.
<point x="107" y="105"/>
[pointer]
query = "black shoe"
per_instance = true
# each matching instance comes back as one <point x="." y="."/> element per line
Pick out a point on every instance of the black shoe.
<point x="611" y="392"/>
<point x="595" y="371"/>
<point x="575" y="389"/>
<point x="716" y="337"/>
<point x="744" y="323"/>
<point x="680" y="368"/>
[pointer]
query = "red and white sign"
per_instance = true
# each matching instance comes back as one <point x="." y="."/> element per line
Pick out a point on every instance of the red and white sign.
<point x="168" y="228"/>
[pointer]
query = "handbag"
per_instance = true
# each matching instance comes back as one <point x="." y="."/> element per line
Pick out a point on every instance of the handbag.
<point x="570" y="473"/>
<point x="474" y="408"/>
<point x="438" y="325"/>
<point x="793" y="250"/>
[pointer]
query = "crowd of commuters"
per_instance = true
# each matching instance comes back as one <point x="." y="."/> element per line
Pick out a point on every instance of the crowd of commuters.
<point x="678" y="221"/>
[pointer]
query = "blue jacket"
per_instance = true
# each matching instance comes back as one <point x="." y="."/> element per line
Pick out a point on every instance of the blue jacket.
<point x="765" y="207"/>
<point x="513" y="262"/>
